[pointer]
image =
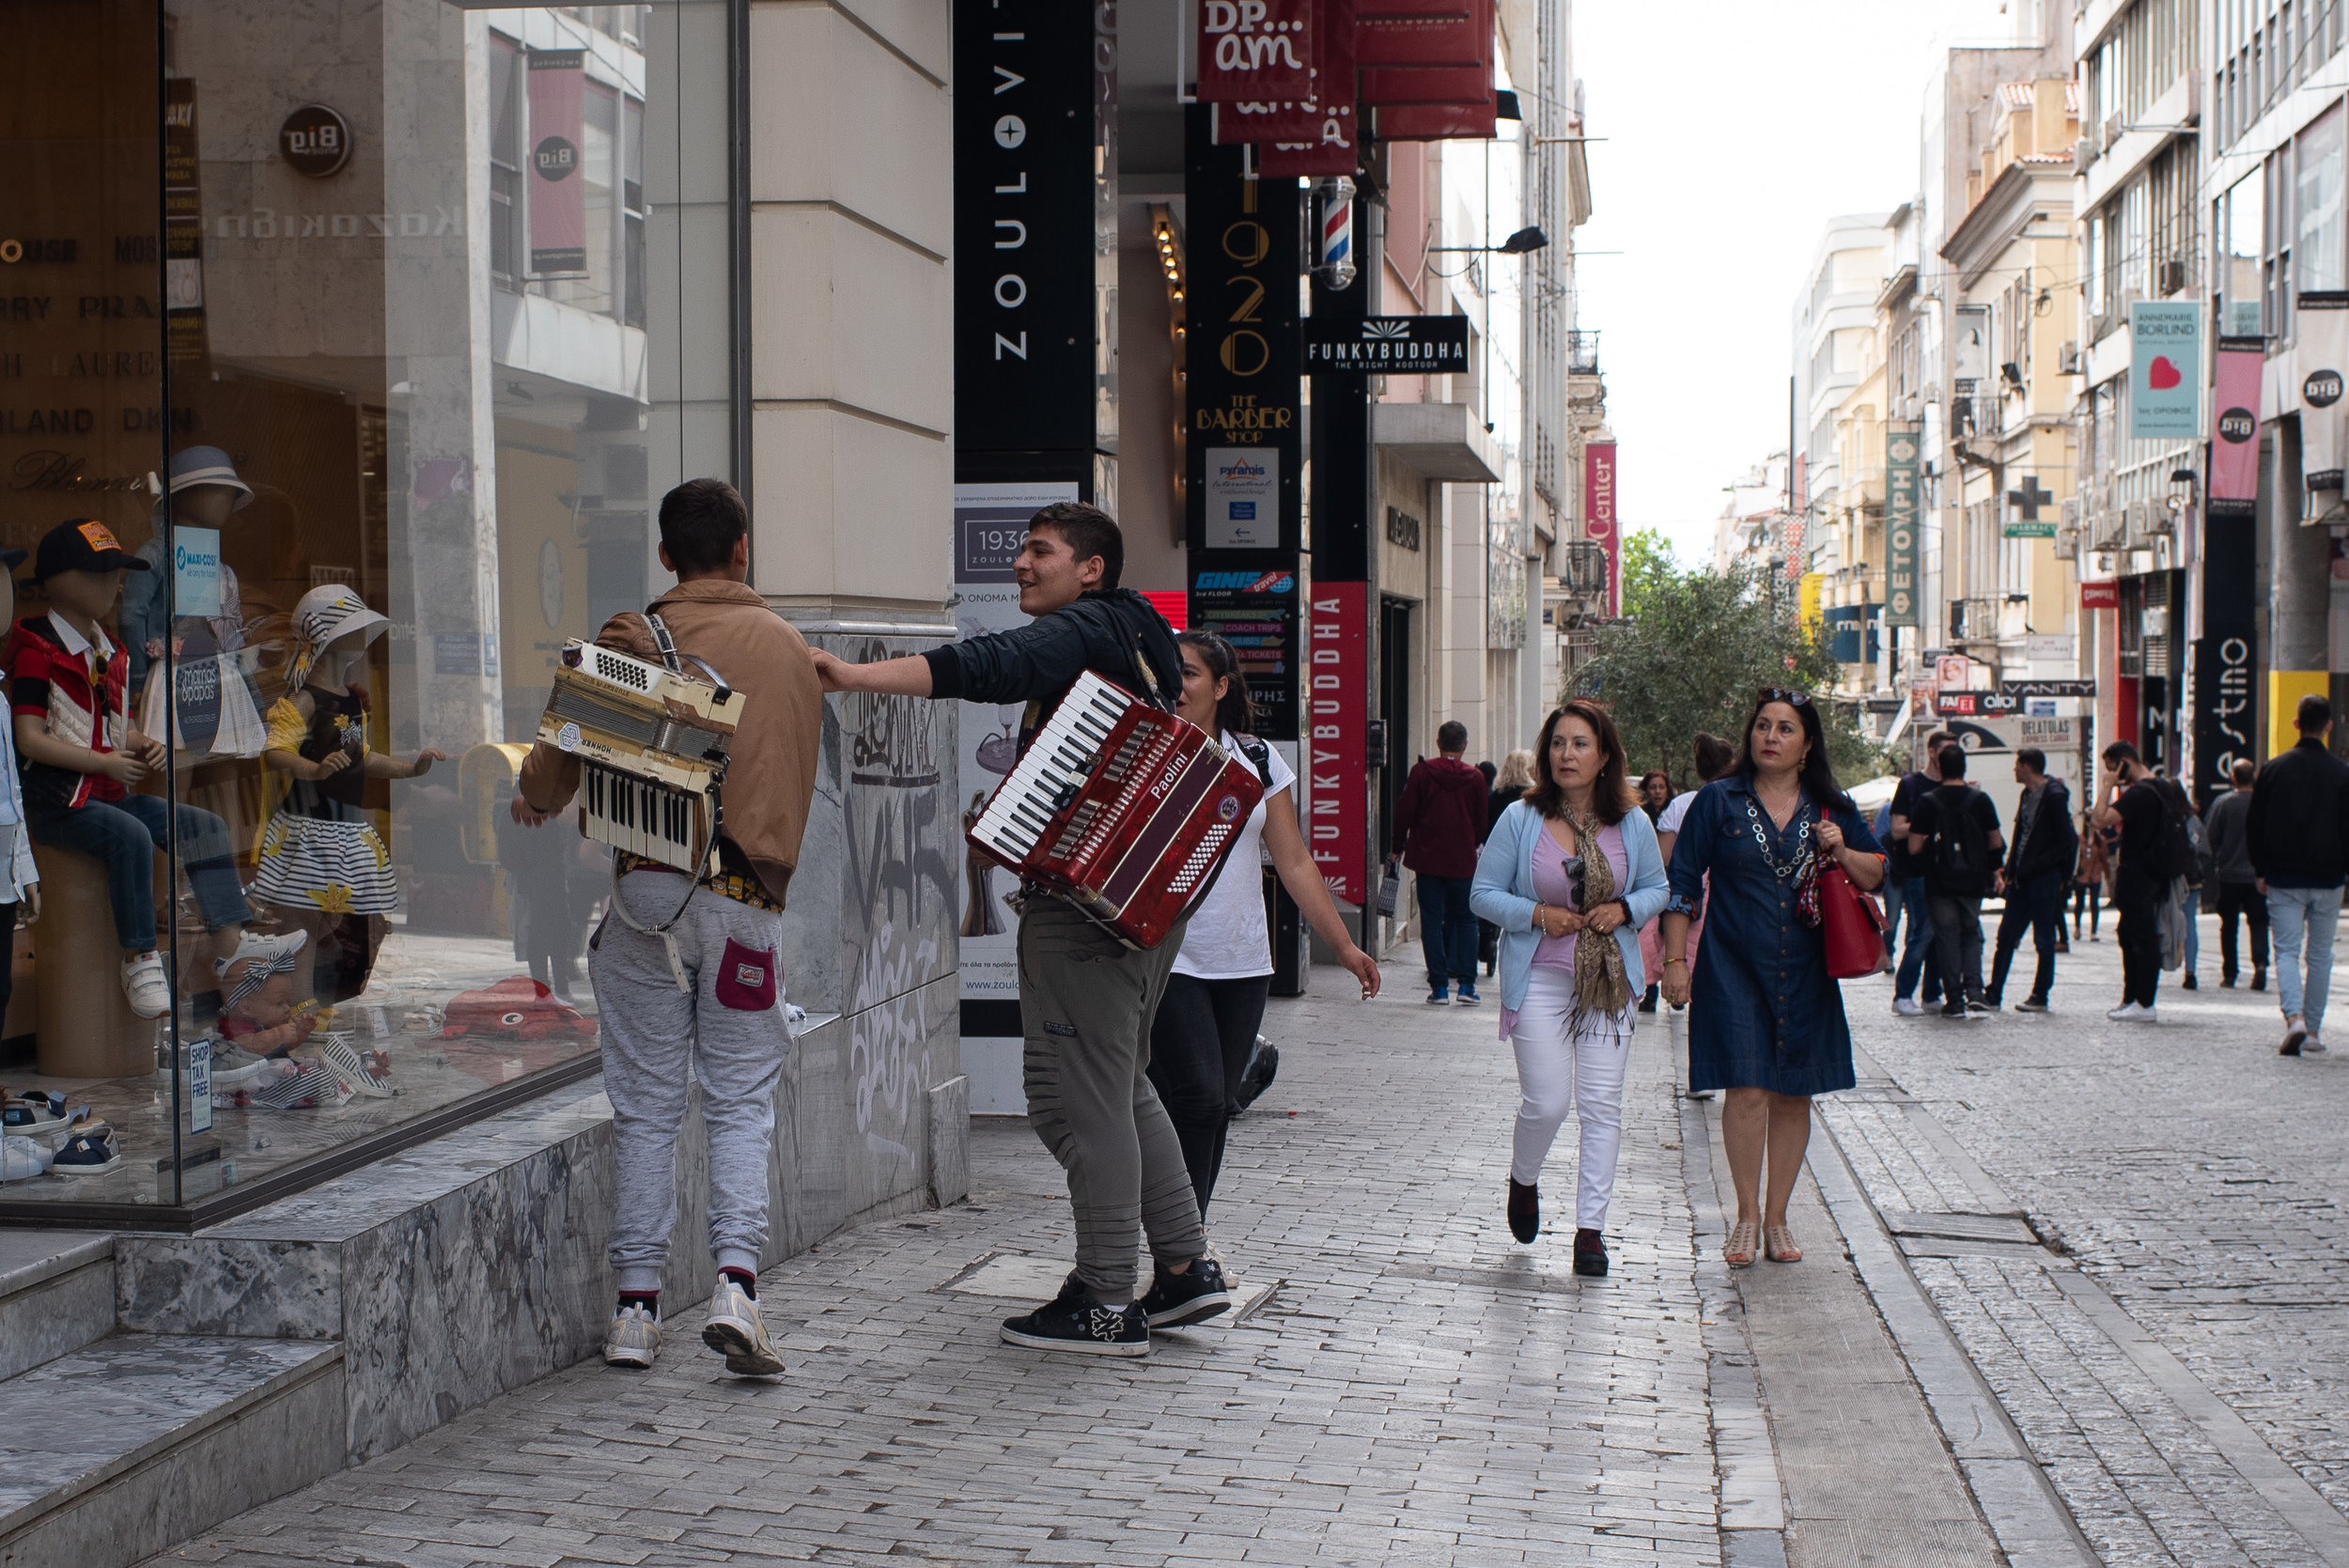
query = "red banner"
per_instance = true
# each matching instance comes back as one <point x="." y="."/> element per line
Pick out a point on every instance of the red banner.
<point x="1255" y="50"/>
<point x="2234" y="445"/>
<point x="1599" y="514"/>
<point x="558" y="185"/>
<point x="1326" y="115"/>
<point x="2100" y="595"/>
<point x="1337" y="738"/>
<point x="1423" y="33"/>
<point x="1438" y="122"/>
<point x="1465" y="85"/>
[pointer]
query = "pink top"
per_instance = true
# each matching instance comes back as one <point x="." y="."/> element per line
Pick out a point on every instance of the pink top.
<point x="1552" y="887"/>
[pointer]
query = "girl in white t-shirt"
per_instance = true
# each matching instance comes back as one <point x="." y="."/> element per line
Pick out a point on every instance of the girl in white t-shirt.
<point x="1214" y="1002"/>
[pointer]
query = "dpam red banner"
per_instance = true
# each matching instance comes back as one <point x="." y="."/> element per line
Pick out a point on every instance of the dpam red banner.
<point x="1329" y="142"/>
<point x="558" y="187"/>
<point x="1598" y="513"/>
<point x="1255" y="50"/>
<point x="1337" y="738"/>
<point x="1456" y="33"/>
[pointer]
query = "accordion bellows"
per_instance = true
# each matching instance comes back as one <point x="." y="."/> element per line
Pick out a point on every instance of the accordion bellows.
<point x="1125" y="811"/>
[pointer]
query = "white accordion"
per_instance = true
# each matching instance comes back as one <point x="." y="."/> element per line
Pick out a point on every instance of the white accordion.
<point x="652" y="743"/>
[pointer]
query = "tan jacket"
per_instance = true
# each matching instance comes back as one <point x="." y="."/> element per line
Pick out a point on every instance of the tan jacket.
<point x="771" y="775"/>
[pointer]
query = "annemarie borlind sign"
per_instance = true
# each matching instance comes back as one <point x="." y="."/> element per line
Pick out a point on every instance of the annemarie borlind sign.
<point x="1388" y="344"/>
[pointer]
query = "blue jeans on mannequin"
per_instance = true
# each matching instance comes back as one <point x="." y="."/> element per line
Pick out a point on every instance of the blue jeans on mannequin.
<point x="123" y="836"/>
<point x="1447" y="931"/>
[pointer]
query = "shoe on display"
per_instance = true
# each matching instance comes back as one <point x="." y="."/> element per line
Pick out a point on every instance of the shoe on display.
<point x="143" y="984"/>
<point x="87" y="1153"/>
<point x="22" y="1158"/>
<point x="268" y="948"/>
<point x="736" y="1331"/>
<point x="2031" y="1005"/>
<point x="1076" y="1323"/>
<point x="236" y="1067"/>
<point x="633" y="1339"/>
<point x="1195" y="1295"/>
<point x="2296" y="1039"/>
<point x="356" y="1074"/>
<point x="1906" y="1007"/>
<point x="33" y="1115"/>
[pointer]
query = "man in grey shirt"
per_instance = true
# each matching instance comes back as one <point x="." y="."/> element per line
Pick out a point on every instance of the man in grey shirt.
<point x="2238" y="884"/>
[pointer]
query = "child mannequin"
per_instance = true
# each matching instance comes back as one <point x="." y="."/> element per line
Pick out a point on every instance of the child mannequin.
<point x="19" y="880"/>
<point x="73" y="726"/>
<point x="320" y="857"/>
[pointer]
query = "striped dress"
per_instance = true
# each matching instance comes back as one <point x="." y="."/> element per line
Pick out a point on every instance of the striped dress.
<point x="319" y="852"/>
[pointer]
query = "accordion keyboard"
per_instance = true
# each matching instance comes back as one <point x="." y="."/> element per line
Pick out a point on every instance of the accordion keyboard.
<point x="1055" y="768"/>
<point x="643" y="816"/>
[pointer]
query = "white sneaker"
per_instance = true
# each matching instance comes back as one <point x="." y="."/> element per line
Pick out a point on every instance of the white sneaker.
<point x="144" y="984"/>
<point x="22" y="1158"/>
<point x="736" y="1331"/>
<point x="2133" y="1013"/>
<point x="253" y="944"/>
<point x="2312" y="1046"/>
<point x="1906" y="1007"/>
<point x="633" y="1339"/>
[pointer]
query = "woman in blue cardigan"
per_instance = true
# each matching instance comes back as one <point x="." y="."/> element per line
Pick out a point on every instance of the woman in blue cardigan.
<point x="1576" y="856"/>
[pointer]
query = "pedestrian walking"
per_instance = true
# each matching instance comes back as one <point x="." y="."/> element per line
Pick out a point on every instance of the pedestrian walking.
<point x="1086" y="1000"/>
<point x="1576" y="859"/>
<point x="1440" y="820"/>
<point x="1766" y="1019"/>
<point x="1655" y="795"/>
<point x="688" y="970"/>
<point x="2228" y="823"/>
<point x="2186" y="903"/>
<point x="2096" y="870"/>
<point x="1214" y="1002"/>
<point x="1715" y="759"/>
<point x="1918" y="964"/>
<point x="2135" y="806"/>
<point x="2298" y="829"/>
<point x="2038" y="863"/>
<point x="1955" y="829"/>
<point x="1515" y="776"/>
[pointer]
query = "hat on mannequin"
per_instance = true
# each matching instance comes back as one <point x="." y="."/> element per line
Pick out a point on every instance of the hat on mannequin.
<point x="209" y="465"/>
<point x="326" y="613"/>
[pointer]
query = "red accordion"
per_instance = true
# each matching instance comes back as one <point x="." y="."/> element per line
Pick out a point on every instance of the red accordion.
<point x="1122" y="809"/>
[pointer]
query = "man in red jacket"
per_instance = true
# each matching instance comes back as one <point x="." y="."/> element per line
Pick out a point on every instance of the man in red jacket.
<point x="1438" y="824"/>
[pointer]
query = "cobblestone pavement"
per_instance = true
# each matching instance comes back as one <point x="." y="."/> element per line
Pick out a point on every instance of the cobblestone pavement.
<point x="1417" y="1388"/>
<point x="2195" y="1179"/>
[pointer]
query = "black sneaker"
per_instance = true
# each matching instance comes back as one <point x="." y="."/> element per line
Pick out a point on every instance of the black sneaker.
<point x="1525" y="1211"/>
<point x="1073" y="1321"/>
<point x="2031" y="1005"/>
<point x="1590" y="1253"/>
<point x="2189" y="983"/>
<point x="1195" y="1295"/>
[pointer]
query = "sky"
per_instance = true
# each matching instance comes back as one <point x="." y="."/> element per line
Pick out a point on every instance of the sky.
<point x="1730" y="141"/>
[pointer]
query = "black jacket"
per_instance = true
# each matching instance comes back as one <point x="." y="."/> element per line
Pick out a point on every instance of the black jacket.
<point x="1112" y="633"/>
<point x="2298" y="827"/>
<point x="2054" y="844"/>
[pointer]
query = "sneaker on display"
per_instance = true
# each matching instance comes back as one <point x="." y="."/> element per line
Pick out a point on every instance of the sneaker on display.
<point x="633" y="1339"/>
<point x="144" y="984"/>
<point x="254" y="944"/>
<point x="1198" y="1293"/>
<point x="735" y="1330"/>
<point x="21" y="1159"/>
<point x="356" y="1074"/>
<point x="87" y="1153"/>
<point x="1074" y="1321"/>
<point x="33" y="1115"/>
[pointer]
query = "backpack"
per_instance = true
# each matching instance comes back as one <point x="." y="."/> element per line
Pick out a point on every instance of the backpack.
<point x="2205" y="859"/>
<point x="2174" y="852"/>
<point x="1960" y="855"/>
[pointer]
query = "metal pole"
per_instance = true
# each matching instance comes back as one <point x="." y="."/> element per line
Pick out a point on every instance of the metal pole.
<point x="171" y="607"/>
<point x="1370" y="258"/>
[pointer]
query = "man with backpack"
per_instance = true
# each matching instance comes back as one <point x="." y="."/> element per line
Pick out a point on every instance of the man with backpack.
<point x="1955" y="829"/>
<point x="2298" y="833"/>
<point x="2154" y="851"/>
<point x="2045" y="847"/>
<point x="1904" y="891"/>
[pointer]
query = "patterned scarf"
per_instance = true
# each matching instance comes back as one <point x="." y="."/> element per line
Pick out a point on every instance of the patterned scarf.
<point x="1602" y="985"/>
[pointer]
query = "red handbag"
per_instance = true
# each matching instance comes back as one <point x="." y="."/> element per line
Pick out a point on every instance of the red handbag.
<point x="1851" y="924"/>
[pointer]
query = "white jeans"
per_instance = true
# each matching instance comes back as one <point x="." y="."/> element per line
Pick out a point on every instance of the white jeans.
<point x="1559" y="1071"/>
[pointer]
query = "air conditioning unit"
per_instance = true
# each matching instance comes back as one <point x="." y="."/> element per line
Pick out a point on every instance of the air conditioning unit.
<point x="2083" y="154"/>
<point x="2067" y="543"/>
<point x="2068" y="360"/>
<point x="1933" y="392"/>
<point x="2170" y="276"/>
<point x="2112" y="130"/>
<point x="2134" y="520"/>
<point x="2068" y="513"/>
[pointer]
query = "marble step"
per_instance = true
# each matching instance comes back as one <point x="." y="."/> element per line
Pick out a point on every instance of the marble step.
<point x="57" y="1295"/>
<point x="132" y="1443"/>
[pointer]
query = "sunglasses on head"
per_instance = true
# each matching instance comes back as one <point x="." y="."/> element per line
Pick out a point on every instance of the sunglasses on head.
<point x="1780" y="694"/>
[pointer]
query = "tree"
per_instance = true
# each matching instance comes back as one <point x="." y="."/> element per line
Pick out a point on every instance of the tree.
<point x="1692" y="650"/>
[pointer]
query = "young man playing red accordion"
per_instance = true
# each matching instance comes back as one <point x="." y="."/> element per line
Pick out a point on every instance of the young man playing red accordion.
<point x="1086" y="1001"/>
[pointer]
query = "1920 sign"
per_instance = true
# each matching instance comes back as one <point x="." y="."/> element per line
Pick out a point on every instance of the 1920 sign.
<point x="1388" y="344"/>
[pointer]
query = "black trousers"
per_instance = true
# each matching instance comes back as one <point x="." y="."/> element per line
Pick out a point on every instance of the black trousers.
<point x="2036" y="907"/>
<point x="2138" y="930"/>
<point x="1957" y="945"/>
<point x="2243" y="898"/>
<point x="1199" y="1047"/>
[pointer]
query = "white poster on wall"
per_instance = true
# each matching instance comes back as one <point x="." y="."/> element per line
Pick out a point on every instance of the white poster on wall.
<point x="990" y="524"/>
<point x="1243" y="498"/>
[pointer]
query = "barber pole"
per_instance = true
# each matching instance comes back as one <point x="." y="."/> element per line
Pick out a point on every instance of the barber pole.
<point x="1336" y="260"/>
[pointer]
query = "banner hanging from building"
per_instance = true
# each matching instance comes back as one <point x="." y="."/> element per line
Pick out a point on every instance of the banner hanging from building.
<point x="1903" y="444"/>
<point x="1599" y="514"/>
<point x="1337" y="738"/>
<point x="2234" y="432"/>
<point x="2165" y="369"/>
<point x="2322" y="360"/>
<point x="1256" y="51"/>
<point x="558" y="185"/>
<point x="1433" y="33"/>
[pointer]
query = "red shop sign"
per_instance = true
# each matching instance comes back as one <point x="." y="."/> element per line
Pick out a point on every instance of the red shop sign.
<point x="2100" y="595"/>
<point x="1423" y="33"/>
<point x="1337" y="738"/>
<point x="1255" y="50"/>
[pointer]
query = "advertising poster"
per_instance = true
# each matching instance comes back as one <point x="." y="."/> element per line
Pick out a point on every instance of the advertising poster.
<point x="1598" y="513"/>
<point x="2322" y="362"/>
<point x="1243" y="498"/>
<point x="1336" y="739"/>
<point x="2165" y="368"/>
<point x="558" y="187"/>
<point x="2234" y="447"/>
<point x="1902" y="445"/>
<point x="1255" y="611"/>
<point x="990" y="523"/>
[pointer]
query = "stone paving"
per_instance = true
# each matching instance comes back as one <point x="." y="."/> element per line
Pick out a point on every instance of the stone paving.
<point x="1416" y="1389"/>
<point x="2194" y="1179"/>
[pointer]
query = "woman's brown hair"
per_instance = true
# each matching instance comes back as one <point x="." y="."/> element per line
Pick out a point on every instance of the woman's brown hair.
<point x="1612" y="798"/>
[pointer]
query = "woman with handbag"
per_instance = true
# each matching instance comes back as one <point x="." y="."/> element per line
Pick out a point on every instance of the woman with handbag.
<point x="1573" y="858"/>
<point x="1785" y="850"/>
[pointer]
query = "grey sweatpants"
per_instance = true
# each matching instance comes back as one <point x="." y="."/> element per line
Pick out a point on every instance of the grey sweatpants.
<point x="1086" y="1006"/>
<point x="731" y="1028"/>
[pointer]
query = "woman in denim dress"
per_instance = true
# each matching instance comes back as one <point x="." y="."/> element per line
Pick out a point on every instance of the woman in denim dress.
<point x="1767" y="1023"/>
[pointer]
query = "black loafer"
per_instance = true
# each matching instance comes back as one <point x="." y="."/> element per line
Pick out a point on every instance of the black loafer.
<point x="1525" y="1211"/>
<point x="1590" y="1253"/>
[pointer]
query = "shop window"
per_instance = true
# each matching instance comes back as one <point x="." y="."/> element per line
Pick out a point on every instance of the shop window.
<point x="387" y="511"/>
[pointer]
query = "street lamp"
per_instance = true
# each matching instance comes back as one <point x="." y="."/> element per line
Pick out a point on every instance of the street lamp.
<point x="1522" y="242"/>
